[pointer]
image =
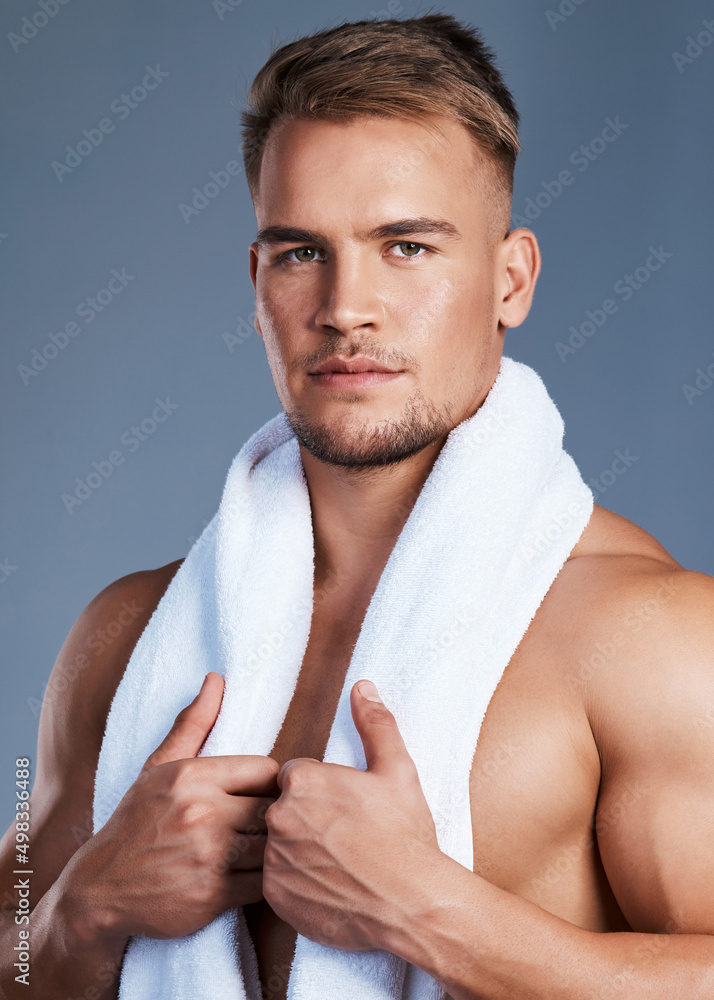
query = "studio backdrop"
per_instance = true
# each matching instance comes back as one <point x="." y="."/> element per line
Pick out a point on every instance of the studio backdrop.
<point x="132" y="370"/>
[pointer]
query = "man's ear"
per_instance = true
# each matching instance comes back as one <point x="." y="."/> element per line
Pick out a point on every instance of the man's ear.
<point x="518" y="267"/>
<point x="253" y="269"/>
<point x="253" y="261"/>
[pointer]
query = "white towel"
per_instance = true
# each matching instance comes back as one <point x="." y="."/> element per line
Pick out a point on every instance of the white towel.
<point x="496" y="519"/>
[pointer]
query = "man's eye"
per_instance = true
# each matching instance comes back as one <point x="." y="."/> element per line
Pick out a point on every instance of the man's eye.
<point x="299" y="250"/>
<point x="412" y="246"/>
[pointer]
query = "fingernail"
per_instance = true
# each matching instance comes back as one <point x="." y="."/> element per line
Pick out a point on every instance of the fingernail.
<point x="368" y="691"/>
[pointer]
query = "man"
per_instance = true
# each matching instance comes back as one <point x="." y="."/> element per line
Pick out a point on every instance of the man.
<point x="592" y="785"/>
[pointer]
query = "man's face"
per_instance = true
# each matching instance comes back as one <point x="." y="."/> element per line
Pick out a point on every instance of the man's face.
<point x="418" y="302"/>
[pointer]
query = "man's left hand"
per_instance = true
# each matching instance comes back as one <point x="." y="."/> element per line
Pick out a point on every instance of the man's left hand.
<point x="345" y="845"/>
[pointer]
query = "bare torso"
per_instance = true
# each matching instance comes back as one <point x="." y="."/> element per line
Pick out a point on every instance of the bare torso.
<point x="561" y="753"/>
<point x="536" y="773"/>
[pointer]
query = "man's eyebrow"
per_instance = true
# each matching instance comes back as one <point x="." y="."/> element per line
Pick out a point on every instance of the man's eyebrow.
<point x="286" y="234"/>
<point x="412" y="227"/>
<point x="402" y="227"/>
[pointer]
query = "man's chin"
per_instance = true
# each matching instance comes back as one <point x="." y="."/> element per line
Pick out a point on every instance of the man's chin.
<point x="370" y="446"/>
<point x="345" y="457"/>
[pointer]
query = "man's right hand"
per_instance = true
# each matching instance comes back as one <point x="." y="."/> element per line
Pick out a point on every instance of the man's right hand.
<point x="187" y="840"/>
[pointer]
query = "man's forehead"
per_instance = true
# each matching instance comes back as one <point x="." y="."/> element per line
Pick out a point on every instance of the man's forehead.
<point x="434" y="131"/>
<point x="365" y="191"/>
<point x="392" y="151"/>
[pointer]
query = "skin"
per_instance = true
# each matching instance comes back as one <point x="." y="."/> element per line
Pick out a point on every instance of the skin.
<point x="602" y="723"/>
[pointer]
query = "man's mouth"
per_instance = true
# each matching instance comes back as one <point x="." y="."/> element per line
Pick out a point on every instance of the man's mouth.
<point x="352" y="373"/>
<point x="350" y="366"/>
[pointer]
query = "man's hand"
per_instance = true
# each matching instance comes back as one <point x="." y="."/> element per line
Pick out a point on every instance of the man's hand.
<point x="186" y="841"/>
<point x="344" y="844"/>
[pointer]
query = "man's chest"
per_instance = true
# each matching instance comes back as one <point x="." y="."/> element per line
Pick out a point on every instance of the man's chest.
<point x="534" y="779"/>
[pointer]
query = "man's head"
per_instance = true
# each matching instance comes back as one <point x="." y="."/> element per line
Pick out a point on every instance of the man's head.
<point x="350" y="132"/>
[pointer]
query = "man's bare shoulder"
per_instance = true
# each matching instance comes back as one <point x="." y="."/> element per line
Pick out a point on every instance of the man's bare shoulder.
<point x="618" y="594"/>
<point x="610" y="535"/>
<point x="614" y="563"/>
<point x="631" y="626"/>
<point x="87" y="672"/>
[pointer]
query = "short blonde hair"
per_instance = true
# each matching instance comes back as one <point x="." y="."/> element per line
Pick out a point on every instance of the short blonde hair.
<point x="413" y="69"/>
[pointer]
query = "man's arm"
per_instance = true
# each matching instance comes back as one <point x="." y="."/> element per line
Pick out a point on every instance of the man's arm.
<point x="483" y="943"/>
<point x="652" y="714"/>
<point x="74" y="712"/>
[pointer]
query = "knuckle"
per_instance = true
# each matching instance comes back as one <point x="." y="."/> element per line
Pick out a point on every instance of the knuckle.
<point x="378" y="715"/>
<point x="275" y="816"/>
<point x="194" y="813"/>
<point x="269" y="814"/>
<point x="301" y="778"/>
<point x="173" y="784"/>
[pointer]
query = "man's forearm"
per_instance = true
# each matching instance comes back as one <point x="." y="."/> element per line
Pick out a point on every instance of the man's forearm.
<point x="68" y="957"/>
<point x="482" y="943"/>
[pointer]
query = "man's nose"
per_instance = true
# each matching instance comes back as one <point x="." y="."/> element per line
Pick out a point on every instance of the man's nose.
<point x="350" y="297"/>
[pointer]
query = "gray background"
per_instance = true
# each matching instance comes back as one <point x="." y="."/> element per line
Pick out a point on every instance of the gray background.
<point x="163" y="335"/>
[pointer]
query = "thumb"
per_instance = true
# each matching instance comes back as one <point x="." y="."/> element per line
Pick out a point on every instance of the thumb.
<point x="192" y="725"/>
<point x="384" y="749"/>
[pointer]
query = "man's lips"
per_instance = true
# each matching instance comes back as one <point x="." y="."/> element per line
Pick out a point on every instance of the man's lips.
<point x="349" y="366"/>
<point x="353" y="380"/>
<point x="352" y="373"/>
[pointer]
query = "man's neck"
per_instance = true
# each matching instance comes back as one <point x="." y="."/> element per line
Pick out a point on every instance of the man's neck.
<point x="357" y="516"/>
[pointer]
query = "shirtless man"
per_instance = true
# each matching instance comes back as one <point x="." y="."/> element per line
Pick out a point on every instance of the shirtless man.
<point x="592" y="787"/>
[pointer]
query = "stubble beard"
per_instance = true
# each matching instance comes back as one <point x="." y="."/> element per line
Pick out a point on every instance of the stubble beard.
<point x="384" y="443"/>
